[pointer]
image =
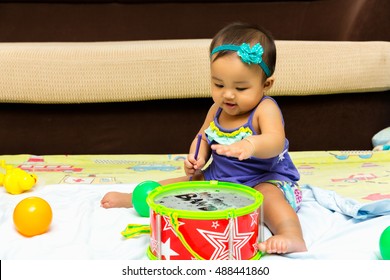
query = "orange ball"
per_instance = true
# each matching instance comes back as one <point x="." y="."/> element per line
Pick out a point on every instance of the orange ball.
<point x="32" y="216"/>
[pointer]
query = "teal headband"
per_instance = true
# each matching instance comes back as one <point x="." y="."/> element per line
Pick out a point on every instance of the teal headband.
<point x="247" y="54"/>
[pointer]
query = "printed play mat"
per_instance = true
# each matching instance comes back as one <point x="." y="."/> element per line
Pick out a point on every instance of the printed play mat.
<point x="361" y="175"/>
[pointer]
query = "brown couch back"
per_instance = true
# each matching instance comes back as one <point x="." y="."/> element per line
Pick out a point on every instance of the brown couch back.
<point x="100" y="20"/>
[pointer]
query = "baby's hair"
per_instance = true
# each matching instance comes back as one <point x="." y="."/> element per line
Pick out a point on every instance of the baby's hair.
<point x="238" y="33"/>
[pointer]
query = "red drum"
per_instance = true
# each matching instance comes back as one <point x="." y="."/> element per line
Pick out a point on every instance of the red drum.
<point x="204" y="220"/>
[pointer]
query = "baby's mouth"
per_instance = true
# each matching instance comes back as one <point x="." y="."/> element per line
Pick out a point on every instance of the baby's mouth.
<point x="230" y="105"/>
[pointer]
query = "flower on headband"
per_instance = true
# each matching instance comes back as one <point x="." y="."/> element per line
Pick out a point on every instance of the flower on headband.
<point x="251" y="55"/>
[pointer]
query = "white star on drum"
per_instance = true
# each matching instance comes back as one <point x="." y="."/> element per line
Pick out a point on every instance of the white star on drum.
<point x="153" y="245"/>
<point x="168" y="225"/>
<point x="167" y="251"/>
<point x="254" y="218"/>
<point x="215" y="224"/>
<point x="220" y="241"/>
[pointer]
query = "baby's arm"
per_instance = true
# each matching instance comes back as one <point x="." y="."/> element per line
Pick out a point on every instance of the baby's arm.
<point x="270" y="141"/>
<point x="242" y="150"/>
<point x="191" y="165"/>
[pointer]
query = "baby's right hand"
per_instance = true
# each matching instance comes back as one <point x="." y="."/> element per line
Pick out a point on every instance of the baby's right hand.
<point x="191" y="165"/>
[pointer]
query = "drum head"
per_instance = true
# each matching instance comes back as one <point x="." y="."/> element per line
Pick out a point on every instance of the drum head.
<point x="202" y="199"/>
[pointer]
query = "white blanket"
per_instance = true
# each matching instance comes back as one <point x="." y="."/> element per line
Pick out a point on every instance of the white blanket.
<point x="81" y="229"/>
<point x="339" y="228"/>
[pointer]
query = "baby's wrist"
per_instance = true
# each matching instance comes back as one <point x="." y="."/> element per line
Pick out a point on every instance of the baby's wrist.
<point x="252" y="144"/>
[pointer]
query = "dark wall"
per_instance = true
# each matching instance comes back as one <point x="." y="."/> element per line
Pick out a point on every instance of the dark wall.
<point x="36" y="21"/>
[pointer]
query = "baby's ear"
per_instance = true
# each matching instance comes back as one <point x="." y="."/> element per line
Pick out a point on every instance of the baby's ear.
<point x="269" y="83"/>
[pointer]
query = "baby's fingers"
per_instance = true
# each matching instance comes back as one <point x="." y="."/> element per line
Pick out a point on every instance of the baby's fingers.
<point x="220" y="149"/>
<point x="188" y="164"/>
<point x="229" y="151"/>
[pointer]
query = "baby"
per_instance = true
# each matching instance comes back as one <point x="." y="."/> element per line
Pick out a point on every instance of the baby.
<point x="244" y="135"/>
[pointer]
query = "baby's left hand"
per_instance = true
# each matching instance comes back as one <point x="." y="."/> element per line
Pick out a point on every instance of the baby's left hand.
<point x="241" y="150"/>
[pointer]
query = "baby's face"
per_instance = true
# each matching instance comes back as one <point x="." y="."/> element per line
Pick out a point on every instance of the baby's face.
<point x="235" y="86"/>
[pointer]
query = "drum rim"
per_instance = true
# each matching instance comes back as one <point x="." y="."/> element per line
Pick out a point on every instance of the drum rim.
<point x="153" y="257"/>
<point x="220" y="214"/>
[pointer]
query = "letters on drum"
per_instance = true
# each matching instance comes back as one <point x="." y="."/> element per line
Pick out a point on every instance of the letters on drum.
<point x="205" y="201"/>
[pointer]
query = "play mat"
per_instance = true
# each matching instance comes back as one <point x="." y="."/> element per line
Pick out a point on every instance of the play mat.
<point x="346" y="204"/>
<point x="361" y="175"/>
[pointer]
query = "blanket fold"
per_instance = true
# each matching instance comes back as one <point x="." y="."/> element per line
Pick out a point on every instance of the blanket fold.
<point x="347" y="206"/>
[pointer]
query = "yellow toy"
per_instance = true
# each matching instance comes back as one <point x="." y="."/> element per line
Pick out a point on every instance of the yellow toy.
<point x="16" y="180"/>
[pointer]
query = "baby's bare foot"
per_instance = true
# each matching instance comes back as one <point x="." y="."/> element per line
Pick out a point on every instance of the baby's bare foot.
<point x="116" y="200"/>
<point x="282" y="244"/>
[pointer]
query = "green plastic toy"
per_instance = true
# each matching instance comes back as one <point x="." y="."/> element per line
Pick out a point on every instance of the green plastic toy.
<point x="384" y="244"/>
<point x="140" y="194"/>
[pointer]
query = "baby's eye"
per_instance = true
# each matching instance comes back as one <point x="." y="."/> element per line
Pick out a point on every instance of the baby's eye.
<point x="241" y="89"/>
<point x="218" y="85"/>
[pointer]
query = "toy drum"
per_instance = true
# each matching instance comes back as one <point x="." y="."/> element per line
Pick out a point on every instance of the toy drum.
<point x="204" y="220"/>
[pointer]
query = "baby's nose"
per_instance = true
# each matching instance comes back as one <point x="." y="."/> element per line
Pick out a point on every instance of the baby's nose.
<point x="228" y="94"/>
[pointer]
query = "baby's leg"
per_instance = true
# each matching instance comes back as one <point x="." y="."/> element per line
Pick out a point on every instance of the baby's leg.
<point x="119" y="200"/>
<point x="197" y="177"/>
<point x="282" y="221"/>
<point x="116" y="200"/>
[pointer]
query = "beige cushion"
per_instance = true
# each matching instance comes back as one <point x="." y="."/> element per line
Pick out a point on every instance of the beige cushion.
<point x="147" y="70"/>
